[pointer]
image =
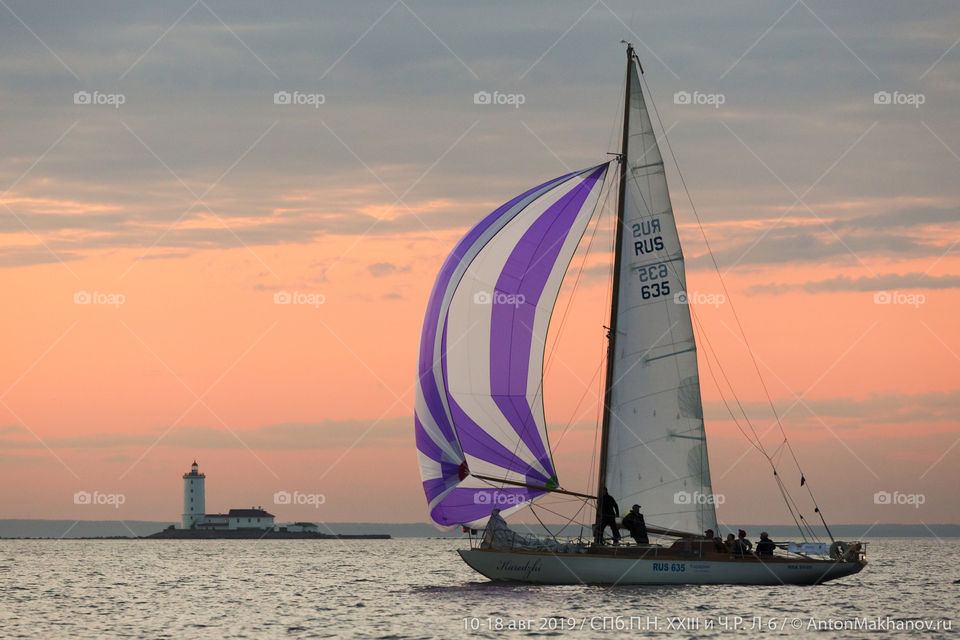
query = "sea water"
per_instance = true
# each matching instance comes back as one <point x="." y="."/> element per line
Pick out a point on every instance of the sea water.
<point x="419" y="588"/>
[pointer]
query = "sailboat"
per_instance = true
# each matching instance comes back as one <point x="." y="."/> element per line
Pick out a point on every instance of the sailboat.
<point x="479" y="421"/>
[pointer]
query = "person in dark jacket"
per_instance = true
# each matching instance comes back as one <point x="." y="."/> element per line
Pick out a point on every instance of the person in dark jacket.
<point x="609" y="512"/>
<point x="766" y="546"/>
<point x="635" y="524"/>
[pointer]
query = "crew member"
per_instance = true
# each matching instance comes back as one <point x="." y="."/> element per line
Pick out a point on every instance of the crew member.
<point x="635" y="524"/>
<point x="717" y="540"/>
<point x="609" y="512"/>
<point x="766" y="546"/>
<point x="730" y="544"/>
<point x="744" y="543"/>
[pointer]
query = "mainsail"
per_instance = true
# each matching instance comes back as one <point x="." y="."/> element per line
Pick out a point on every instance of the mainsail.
<point x="656" y="450"/>
<point x="479" y="400"/>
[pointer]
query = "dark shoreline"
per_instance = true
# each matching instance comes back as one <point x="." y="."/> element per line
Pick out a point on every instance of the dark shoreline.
<point x="259" y="534"/>
<point x="223" y="535"/>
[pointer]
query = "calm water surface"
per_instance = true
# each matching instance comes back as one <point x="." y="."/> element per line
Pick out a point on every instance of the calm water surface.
<point x="416" y="588"/>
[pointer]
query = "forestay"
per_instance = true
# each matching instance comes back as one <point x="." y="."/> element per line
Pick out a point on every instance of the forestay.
<point x="479" y="402"/>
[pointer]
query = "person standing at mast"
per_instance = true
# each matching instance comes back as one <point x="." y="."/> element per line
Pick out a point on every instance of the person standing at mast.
<point x="609" y="512"/>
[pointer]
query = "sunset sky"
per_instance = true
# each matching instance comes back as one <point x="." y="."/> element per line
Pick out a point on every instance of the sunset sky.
<point x="182" y="212"/>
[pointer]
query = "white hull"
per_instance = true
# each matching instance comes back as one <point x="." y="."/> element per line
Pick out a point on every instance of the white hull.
<point x="549" y="568"/>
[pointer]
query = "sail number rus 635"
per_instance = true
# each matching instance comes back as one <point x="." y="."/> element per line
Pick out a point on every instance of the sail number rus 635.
<point x="653" y="275"/>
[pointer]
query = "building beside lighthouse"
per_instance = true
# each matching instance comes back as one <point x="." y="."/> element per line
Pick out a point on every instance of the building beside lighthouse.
<point x="196" y="517"/>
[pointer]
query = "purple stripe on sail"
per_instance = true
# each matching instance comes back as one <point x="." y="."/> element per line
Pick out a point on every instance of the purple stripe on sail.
<point x="425" y="443"/>
<point x="467" y="505"/>
<point x="524" y="276"/>
<point x="433" y="488"/>
<point x="432" y="317"/>
<point x="480" y="444"/>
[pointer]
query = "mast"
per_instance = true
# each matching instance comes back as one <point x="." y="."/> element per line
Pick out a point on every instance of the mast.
<point x="615" y="297"/>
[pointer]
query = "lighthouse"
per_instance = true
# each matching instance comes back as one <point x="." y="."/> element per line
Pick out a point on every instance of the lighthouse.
<point x="194" y="507"/>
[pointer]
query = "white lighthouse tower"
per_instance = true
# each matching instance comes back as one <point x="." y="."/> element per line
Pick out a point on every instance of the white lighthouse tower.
<point x="194" y="506"/>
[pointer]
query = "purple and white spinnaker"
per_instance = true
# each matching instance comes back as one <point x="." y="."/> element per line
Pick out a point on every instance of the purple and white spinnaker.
<point x="479" y="393"/>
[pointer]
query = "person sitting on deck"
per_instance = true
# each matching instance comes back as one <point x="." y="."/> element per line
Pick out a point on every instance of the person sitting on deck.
<point x="730" y="544"/>
<point x="609" y="512"/>
<point x="635" y="524"/>
<point x="743" y="543"/>
<point x="717" y="540"/>
<point x="766" y="546"/>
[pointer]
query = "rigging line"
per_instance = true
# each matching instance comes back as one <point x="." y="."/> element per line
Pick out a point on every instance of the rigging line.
<point x="586" y="390"/>
<point x="732" y="308"/>
<point x="806" y="524"/>
<point x="550" y="533"/>
<point x="563" y="527"/>
<point x="803" y="520"/>
<point x="723" y="398"/>
<point x="789" y="501"/>
<point x="733" y="391"/>
<point x="560" y="515"/>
